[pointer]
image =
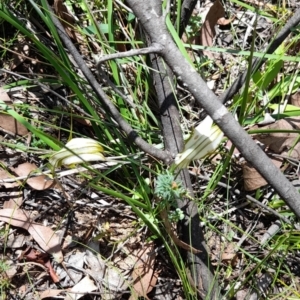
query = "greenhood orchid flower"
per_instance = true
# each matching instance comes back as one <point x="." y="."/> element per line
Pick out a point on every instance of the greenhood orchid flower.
<point x="204" y="140"/>
<point x="77" y="151"/>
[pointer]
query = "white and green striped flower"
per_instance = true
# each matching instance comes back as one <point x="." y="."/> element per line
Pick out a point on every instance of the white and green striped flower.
<point x="77" y="151"/>
<point x="204" y="140"/>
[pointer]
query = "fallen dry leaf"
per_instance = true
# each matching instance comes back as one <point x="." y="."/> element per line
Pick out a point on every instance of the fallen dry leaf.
<point x="16" y="202"/>
<point x="229" y="256"/>
<point x="5" y="97"/>
<point x="114" y="281"/>
<point x="12" y="126"/>
<point x="49" y="293"/>
<point x="281" y="142"/>
<point x="111" y="277"/>
<point x="7" y="122"/>
<point x="18" y="240"/>
<point x="39" y="183"/>
<point x="72" y="276"/>
<point x="12" y="269"/>
<point x="31" y="254"/>
<point x="224" y="22"/>
<point x="262" y="5"/>
<point x="66" y="19"/>
<point x="216" y="15"/>
<point x="47" y="239"/>
<point x="51" y="271"/>
<point x="83" y="122"/>
<point x="83" y="287"/>
<point x="144" y="278"/>
<point x="96" y="265"/>
<point x="295" y="99"/>
<point x="252" y="179"/>
<point x="242" y="294"/>
<point x="14" y="195"/>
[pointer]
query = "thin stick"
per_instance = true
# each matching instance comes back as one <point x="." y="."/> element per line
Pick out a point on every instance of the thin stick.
<point x="131" y="134"/>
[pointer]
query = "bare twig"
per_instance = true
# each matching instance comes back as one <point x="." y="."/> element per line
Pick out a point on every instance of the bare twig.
<point x="105" y="79"/>
<point x="199" y="262"/>
<point x="155" y="27"/>
<point x="186" y="12"/>
<point x="132" y="135"/>
<point x="192" y="234"/>
<point x="154" y="48"/>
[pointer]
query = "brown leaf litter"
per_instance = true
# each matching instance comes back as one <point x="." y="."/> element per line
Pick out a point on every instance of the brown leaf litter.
<point x="44" y="236"/>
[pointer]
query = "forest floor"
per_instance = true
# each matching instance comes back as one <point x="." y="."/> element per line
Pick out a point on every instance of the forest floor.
<point x="79" y="232"/>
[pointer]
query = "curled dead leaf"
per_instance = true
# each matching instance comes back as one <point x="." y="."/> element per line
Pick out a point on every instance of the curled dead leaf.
<point x="31" y="254"/>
